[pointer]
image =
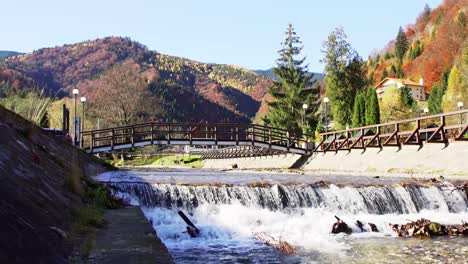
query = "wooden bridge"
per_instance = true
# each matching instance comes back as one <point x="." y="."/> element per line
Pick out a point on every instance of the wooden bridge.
<point x="416" y="131"/>
<point x="204" y="134"/>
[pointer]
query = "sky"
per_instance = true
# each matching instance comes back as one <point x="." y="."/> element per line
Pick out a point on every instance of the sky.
<point x="241" y="32"/>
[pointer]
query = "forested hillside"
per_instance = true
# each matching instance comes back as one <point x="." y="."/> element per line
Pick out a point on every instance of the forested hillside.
<point x="183" y="90"/>
<point x="427" y="48"/>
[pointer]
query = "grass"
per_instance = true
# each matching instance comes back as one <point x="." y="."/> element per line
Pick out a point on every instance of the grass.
<point x="89" y="217"/>
<point x="192" y="161"/>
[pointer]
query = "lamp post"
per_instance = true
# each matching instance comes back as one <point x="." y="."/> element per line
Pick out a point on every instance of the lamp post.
<point x="326" y="100"/>
<point x="460" y="106"/>
<point x="83" y="101"/>
<point x="304" y="108"/>
<point x="425" y="110"/>
<point x="75" y="94"/>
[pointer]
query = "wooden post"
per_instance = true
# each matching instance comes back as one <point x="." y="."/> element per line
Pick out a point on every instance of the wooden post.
<point x="133" y="136"/>
<point x="216" y="135"/>
<point x="237" y="136"/>
<point x="190" y="134"/>
<point x="152" y="133"/>
<point x="168" y="134"/>
<point x="92" y="142"/>
<point x="112" y="139"/>
<point x="269" y="137"/>
<point x="397" y="137"/>
<point x="253" y="135"/>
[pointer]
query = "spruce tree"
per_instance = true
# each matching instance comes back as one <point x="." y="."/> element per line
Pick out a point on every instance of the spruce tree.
<point x="372" y="107"/>
<point x="401" y="44"/>
<point x="290" y="91"/>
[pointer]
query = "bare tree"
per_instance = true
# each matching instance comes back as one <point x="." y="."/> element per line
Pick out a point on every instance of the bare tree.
<point x="123" y="97"/>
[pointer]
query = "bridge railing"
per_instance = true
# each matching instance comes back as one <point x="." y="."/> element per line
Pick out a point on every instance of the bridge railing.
<point x="189" y="132"/>
<point x="430" y="129"/>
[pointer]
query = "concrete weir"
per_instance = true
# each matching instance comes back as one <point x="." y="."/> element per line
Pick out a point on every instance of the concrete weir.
<point x="128" y="238"/>
<point x="430" y="158"/>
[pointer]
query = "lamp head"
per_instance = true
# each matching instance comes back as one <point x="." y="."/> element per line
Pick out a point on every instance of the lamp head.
<point x="426" y="110"/>
<point x="75" y="91"/>
<point x="326" y="100"/>
<point x="305" y="106"/>
<point x="83" y="99"/>
<point x="460" y="104"/>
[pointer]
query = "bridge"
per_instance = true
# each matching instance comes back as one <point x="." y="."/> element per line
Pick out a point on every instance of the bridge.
<point x="416" y="131"/>
<point x="201" y="134"/>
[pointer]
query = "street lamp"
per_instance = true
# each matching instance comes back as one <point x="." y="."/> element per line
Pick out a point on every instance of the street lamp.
<point x="326" y="100"/>
<point x="75" y="94"/>
<point x="425" y="110"/>
<point x="460" y="106"/>
<point x="304" y="108"/>
<point x="83" y="101"/>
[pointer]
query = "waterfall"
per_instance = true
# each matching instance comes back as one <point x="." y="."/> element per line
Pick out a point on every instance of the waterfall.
<point x="391" y="199"/>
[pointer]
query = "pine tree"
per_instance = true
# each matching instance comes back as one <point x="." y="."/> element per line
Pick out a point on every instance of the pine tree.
<point x="344" y="78"/>
<point x="372" y="107"/>
<point x="426" y="13"/>
<point x="290" y="91"/>
<point x="401" y="44"/>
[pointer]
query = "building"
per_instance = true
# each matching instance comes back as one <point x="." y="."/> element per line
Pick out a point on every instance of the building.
<point x="418" y="90"/>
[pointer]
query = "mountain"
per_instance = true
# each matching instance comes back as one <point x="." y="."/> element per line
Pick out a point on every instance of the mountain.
<point x="5" y="54"/>
<point x="191" y="91"/>
<point x="436" y="40"/>
<point x="316" y="77"/>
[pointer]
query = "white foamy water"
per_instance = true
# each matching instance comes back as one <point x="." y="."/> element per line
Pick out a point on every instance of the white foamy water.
<point x="302" y="214"/>
<point x="231" y="228"/>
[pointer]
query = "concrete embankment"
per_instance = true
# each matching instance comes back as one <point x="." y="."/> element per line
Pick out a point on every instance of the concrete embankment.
<point x="432" y="158"/>
<point x="264" y="162"/>
<point x="43" y="194"/>
<point x="128" y="238"/>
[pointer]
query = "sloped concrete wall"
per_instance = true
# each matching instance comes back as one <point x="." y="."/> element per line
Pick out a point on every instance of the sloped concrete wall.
<point x="432" y="158"/>
<point x="265" y="162"/>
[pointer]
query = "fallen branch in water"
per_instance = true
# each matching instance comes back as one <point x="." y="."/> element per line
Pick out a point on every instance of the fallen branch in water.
<point x="426" y="228"/>
<point x="280" y="245"/>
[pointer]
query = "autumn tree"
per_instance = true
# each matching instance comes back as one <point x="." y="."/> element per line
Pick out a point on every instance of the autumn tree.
<point x="291" y="91"/>
<point x="393" y="106"/>
<point x="123" y="97"/>
<point x="401" y="44"/>
<point x="457" y="90"/>
<point x="345" y="76"/>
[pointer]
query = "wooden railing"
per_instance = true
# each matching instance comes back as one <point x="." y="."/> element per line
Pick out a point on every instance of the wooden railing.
<point x="431" y="129"/>
<point x="110" y="139"/>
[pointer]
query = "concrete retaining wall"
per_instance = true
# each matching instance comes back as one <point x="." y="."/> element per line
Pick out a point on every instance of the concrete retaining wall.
<point x="265" y="162"/>
<point x="431" y="158"/>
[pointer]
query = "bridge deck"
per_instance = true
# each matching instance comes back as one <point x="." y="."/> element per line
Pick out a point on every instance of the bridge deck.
<point x="106" y="140"/>
<point x="435" y="129"/>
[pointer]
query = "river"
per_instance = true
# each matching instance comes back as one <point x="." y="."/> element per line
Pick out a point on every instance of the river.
<point x="230" y="206"/>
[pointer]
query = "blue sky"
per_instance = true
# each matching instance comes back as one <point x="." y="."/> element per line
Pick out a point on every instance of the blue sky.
<point x="241" y="32"/>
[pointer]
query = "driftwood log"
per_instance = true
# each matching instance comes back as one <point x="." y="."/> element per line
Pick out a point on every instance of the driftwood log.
<point x="192" y="230"/>
<point x="277" y="244"/>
